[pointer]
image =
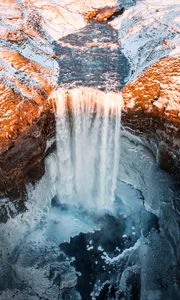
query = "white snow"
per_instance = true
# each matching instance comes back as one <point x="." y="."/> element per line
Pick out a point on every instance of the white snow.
<point x="149" y="31"/>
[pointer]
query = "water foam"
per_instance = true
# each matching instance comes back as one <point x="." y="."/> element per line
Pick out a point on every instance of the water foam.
<point x="88" y="146"/>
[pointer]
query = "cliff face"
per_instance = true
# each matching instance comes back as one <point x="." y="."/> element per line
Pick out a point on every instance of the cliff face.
<point x="45" y="45"/>
<point x="25" y="120"/>
<point x="152" y="107"/>
<point x="33" y="60"/>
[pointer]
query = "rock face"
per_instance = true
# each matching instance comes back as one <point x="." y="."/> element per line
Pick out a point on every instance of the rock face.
<point x="25" y="120"/>
<point x="148" y="32"/>
<point x="27" y="77"/>
<point x="35" y="59"/>
<point x="103" y="14"/>
<point x="45" y="45"/>
<point x="152" y="107"/>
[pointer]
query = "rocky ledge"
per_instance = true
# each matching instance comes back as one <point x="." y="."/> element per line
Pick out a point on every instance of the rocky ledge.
<point x="25" y="121"/>
<point x="152" y="107"/>
<point x="45" y="45"/>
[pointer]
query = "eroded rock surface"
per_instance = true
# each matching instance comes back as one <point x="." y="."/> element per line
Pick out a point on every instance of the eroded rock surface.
<point x="103" y="14"/>
<point x="27" y="77"/>
<point x="152" y="106"/>
<point x="45" y="45"/>
<point x="25" y="119"/>
<point x="35" y="58"/>
<point x="148" y="32"/>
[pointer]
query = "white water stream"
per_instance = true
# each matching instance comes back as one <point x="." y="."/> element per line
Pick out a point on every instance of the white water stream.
<point x="88" y="146"/>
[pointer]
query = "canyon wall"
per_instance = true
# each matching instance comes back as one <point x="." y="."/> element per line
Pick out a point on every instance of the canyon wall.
<point x="45" y="45"/>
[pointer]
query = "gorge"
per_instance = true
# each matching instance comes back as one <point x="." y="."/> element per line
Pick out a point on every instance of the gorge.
<point x="89" y="150"/>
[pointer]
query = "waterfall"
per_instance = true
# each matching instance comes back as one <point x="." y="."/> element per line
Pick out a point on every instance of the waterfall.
<point x="88" y="146"/>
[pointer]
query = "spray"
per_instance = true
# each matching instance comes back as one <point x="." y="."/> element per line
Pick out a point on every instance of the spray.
<point x="88" y="140"/>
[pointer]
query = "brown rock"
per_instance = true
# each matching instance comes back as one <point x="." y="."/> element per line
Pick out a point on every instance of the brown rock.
<point x="53" y="55"/>
<point x="152" y="106"/>
<point x="25" y="121"/>
<point x="23" y="161"/>
<point x="101" y="14"/>
<point x="157" y="91"/>
<point x="27" y="77"/>
<point x="151" y="103"/>
<point x="21" y="106"/>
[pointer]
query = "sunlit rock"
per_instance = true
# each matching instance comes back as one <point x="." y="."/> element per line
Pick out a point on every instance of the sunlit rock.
<point x="37" y="39"/>
<point x="152" y="106"/>
<point x="24" y="115"/>
<point x="148" y="31"/>
<point x="101" y="15"/>
<point x="69" y="78"/>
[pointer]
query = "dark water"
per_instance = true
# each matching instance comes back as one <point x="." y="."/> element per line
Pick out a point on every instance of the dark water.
<point x="117" y="233"/>
<point x="92" y="57"/>
<point x="133" y="254"/>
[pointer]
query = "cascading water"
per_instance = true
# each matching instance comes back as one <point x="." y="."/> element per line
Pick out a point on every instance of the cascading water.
<point x="56" y="252"/>
<point x="88" y="146"/>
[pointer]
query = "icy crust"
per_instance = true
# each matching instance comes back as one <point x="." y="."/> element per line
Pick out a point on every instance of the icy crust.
<point x="36" y="268"/>
<point x="149" y="31"/>
<point x="29" y="71"/>
<point x="28" y="68"/>
<point x="33" y="61"/>
<point x="33" y="267"/>
<point x="148" y="267"/>
<point x="149" y="262"/>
